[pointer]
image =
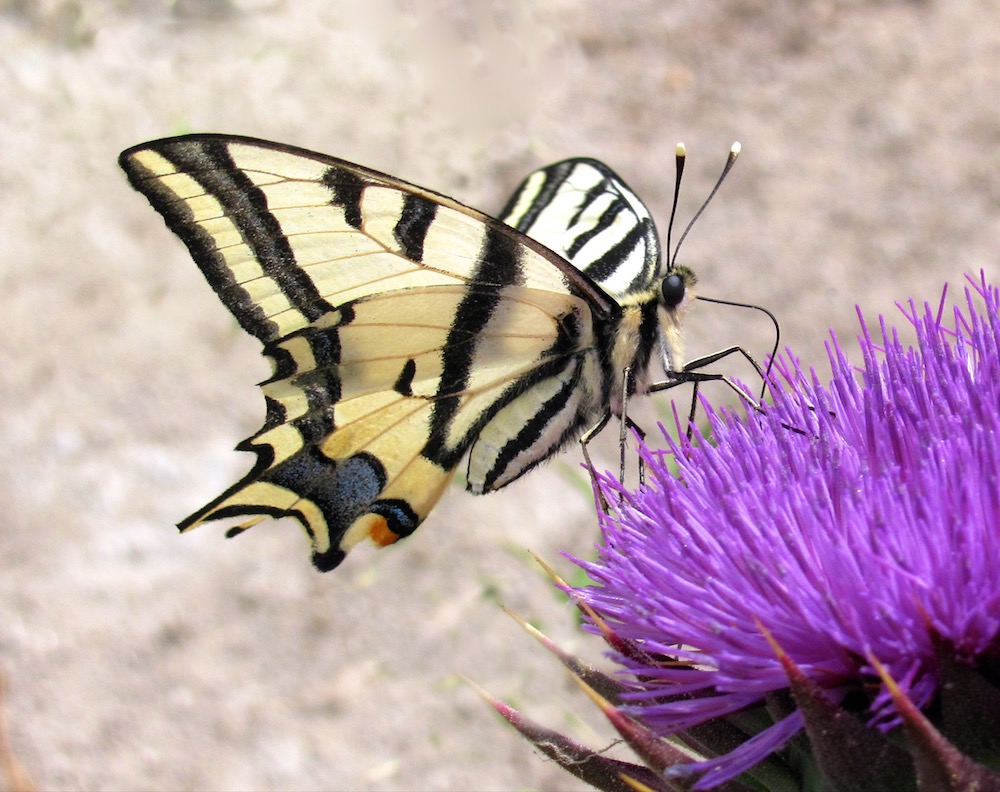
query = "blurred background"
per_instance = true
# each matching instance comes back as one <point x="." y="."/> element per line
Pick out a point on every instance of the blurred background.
<point x="137" y="658"/>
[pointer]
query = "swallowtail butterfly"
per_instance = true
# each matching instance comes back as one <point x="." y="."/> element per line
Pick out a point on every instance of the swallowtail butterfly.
<point x="408" y="331"/>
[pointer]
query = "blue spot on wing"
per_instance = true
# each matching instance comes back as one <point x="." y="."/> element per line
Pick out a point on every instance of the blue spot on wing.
<point x="343" y="490"/>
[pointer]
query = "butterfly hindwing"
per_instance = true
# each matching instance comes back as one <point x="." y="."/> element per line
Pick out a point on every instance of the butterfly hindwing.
<point x="583" y="211"/>
<point x="404" y="329"/>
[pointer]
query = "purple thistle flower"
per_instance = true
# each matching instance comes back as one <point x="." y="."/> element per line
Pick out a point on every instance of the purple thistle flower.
<point x="854" y="526"/>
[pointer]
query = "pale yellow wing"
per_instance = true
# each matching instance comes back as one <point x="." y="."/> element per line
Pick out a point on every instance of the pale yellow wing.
<point x="368" y="416"/>
<point x="284" y="235"/>
<point x="402" y="325"/>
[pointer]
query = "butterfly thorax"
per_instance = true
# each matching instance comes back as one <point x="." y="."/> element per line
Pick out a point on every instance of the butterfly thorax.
<point x="647" y="324"/>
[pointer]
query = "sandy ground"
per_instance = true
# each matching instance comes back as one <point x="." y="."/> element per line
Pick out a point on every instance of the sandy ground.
<point x="137" y="658"/>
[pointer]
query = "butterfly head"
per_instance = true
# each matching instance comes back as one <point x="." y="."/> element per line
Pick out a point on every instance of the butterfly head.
<point x="676" y="295"/>
<point x="676" y="288"/>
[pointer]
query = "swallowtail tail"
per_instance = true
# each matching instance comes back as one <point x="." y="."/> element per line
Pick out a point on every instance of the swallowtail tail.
<point x="408" y="331"/>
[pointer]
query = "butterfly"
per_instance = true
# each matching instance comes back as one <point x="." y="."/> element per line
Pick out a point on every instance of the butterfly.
<point x="408" y="332"/>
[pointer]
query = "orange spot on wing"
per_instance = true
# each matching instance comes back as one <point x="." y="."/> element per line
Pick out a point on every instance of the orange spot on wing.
<point x="379" y="531"/>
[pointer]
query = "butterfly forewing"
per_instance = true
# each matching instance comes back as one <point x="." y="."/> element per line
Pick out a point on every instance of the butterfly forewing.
<point x="404" y="328"/>
<point x="277" y="230"/>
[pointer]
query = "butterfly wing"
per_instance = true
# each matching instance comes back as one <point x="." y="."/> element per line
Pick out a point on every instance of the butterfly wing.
<point x="585" y="212"/>
<point x="402" y="326"/>
<point x="580" y="209"/>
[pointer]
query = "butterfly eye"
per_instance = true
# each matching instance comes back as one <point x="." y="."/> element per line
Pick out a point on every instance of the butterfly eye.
<point x="673" y="290"/>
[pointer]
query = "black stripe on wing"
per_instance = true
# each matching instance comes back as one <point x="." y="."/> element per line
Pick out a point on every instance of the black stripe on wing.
<point x="554" y="206"/>
<point x="533" y="430"/>
<point x="498" y="262"/>
<point x="553" y="178"/>
<point x="414" y="222"/>
<point x="602" y="268"/>
<point x="347" y="188"/>
<point x="207" y="161"/>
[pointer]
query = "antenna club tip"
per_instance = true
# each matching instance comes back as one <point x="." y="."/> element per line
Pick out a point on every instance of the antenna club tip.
<point x="736" y="148"/>
<point x="681" y="150"/>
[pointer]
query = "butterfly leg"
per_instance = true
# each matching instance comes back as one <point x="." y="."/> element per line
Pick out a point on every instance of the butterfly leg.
<point x="697" y="377"/>
<point x="694" y="408"/>
<point x="707" y="360"/>
<point x="625" y="424"/>
<point x="585" y="439"/>
<point x="642" y="465"/>
<point x="691" y="374"/>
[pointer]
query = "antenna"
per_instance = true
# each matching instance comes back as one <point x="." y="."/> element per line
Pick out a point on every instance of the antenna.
<point x="734" y="152"/>
<point x="680" y="159"/>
